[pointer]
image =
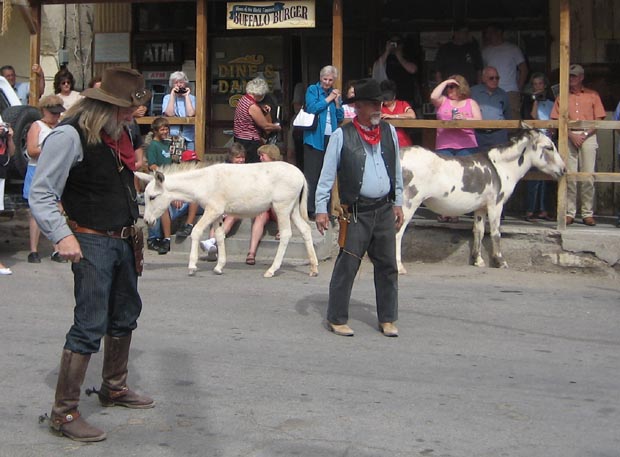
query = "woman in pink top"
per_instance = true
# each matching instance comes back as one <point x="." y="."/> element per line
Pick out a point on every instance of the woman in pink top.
<point x="452" y="101"/>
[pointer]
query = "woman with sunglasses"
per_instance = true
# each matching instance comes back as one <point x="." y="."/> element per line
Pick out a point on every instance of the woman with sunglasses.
<point x="452" y="101"/>
<point x="63" y="87"/>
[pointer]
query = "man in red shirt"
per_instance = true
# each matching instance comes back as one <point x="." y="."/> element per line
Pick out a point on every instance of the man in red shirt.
<point x="583" y="105"/>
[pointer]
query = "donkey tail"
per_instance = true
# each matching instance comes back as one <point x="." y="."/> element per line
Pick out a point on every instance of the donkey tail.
<point x="303" y="202"/>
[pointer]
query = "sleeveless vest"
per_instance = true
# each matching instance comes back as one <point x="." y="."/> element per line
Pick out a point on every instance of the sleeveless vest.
<point x="353" y="161"/>
<point x="96" y="194"/>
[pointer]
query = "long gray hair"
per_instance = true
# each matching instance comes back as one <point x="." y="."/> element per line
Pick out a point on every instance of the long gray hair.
<point x="95" y="116"/>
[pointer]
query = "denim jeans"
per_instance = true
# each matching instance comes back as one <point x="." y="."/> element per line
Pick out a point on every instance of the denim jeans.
<point x="106" y="293"/>
<point x="536" y="196"/>
<point x="155" y="230"/>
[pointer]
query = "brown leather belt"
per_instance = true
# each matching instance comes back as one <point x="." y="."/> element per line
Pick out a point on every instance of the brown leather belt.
<point x="123" y="233"/>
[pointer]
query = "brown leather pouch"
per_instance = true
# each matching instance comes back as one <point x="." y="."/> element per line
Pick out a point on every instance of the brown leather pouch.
<point x="137" y="242"/>
<point x="343" y="222"/>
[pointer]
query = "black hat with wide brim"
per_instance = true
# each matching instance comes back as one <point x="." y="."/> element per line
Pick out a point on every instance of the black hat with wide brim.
<point x="366" y="89"/>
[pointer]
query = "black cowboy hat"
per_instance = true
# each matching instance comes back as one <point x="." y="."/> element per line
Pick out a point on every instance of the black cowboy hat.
<point x="366" y="89"/>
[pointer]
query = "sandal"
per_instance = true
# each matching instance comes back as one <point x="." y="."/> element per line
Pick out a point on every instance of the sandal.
<point x="529" y="217"/>
<point x="443" y="219"/>
<point x="250" y="259"/>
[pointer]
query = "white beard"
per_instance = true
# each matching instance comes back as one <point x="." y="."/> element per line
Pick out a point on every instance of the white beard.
<point x="375" y="118"/>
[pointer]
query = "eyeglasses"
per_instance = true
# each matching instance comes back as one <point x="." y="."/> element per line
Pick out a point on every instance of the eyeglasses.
<point x="494" y="78"/>
<point x="451" y="86"/>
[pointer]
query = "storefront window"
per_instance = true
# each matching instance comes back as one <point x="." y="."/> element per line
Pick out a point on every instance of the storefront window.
<point x="234" y="62"/>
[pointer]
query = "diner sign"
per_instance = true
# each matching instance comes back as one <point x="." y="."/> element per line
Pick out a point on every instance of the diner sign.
<point x="270" y="15"/>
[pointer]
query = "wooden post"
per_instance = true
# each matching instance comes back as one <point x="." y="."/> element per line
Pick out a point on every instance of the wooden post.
<point x="201" y="78"/>
<point x="337" y="46"/>
<point x="563" y="107"/>
<point x="337" y="40"/>
<point x="35" y="52"/>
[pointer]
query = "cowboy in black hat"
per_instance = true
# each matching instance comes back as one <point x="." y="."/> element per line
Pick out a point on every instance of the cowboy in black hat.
<point x="89" y="167"/>
<point x="364" y="155"/>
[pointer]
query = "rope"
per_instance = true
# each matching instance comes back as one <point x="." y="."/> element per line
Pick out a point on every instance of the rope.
<point x="7" y="7"/>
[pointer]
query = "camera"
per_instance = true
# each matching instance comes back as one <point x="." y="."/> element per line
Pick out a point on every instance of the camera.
<point x="538" y="97"/>
<point x="394" y="44"/>
<point x="5" y="129"/>
<point x="181" y="90"/>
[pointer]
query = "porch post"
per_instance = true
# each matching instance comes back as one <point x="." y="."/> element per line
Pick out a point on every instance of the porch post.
<point x="200" y="120"/>
<point x="337" y="40"/>
<point x="563" y="107"/>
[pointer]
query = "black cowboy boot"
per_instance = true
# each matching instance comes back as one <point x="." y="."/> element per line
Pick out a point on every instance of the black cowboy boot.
<point x="114" y="390"/>
<point x="66" y="419"/>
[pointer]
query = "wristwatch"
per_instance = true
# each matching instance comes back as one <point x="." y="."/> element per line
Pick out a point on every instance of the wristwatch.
<point x="585" y="134"/>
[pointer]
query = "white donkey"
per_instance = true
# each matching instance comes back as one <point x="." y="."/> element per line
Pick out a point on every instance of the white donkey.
<point x="236" y="190"/>
<point x="481" y="183"/>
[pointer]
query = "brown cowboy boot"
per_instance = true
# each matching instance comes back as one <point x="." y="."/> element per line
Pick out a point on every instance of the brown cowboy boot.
<point x="66" y="419"/>
<point x="114" y="390"/>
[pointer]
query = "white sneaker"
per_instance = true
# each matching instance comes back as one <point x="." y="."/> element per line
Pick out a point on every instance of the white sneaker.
<point x="5" y="271"/>
<point x="212" y="253"/>
<point x="205" y="245"/>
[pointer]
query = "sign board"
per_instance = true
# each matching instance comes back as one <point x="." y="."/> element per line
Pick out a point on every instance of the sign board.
<point x="112" y="48"/>
<point x="270" y="15"/>
<point x="167" y="52"/>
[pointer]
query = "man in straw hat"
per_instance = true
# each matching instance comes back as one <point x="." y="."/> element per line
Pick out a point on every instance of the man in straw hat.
<point x="89" y="168"/>
<point x="364" y="155"/>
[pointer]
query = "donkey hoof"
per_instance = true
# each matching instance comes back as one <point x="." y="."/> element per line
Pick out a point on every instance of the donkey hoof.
<point x="268" y="274"/>
<point x="479" y="263"/>
<point x="313" y="273"/>
<point x="402" y="270"/>
<point x="192" y="271"/>
<point x="218" y="271"/>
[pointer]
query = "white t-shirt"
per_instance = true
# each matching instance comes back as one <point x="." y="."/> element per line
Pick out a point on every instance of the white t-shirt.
<point x="505" y="57"/>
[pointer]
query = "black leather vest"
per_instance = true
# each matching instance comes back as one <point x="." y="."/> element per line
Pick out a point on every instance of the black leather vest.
<point x="96" y="194"/>
<point x="353" y="160"/>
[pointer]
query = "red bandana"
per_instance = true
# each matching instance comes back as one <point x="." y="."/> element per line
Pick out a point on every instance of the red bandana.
<point x="370" y="136"/>
<point x="122" y="147"/>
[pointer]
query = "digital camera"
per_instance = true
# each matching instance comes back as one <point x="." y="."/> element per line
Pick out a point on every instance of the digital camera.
<point x="181" y="90"/>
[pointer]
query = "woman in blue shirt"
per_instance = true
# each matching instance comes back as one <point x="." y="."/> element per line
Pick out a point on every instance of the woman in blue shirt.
<point x="323" y="101"/>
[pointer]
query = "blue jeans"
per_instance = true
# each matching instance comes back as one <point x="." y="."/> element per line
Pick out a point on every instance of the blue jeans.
<point x="457" y="152"/>
<point x="536" y="196"/>
<point x="156" y="232"/>
<point x="106" y="293"/>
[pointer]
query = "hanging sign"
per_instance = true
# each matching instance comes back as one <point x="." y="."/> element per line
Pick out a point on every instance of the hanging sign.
<point x="270" y="15"/>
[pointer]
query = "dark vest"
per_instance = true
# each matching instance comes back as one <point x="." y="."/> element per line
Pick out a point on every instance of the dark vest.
<point x="96" y="194"/>
<point x="353" y="160"/>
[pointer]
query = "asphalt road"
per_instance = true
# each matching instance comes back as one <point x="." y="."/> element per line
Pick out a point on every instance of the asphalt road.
<point x="495" y="363"/>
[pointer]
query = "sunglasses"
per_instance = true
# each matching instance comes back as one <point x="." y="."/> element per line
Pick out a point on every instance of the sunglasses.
<point x="65" y="82"/>
<point x="451" y="86"/>
<point x="494" y="78"/>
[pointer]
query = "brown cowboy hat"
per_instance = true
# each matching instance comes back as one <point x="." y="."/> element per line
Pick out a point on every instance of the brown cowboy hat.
<point x="120" y="86"/>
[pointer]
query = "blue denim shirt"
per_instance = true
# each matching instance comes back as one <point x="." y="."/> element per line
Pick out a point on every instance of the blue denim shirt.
<point x="316" y="104"/>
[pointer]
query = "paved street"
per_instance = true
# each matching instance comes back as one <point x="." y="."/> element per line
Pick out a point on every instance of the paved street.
<point x="489" y="363"/>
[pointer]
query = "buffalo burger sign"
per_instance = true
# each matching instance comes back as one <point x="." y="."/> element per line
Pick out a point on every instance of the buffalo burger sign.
<point x="264" y="15"/>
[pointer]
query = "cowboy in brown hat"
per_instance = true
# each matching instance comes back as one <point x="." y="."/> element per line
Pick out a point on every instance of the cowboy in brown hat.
<point x="89" y="166"/>
<point x="364" y="155"/>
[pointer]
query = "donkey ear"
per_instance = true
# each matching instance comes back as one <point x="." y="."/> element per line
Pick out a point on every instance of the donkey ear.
<point x="143" y="176"/>
<point x="159" y="177"/>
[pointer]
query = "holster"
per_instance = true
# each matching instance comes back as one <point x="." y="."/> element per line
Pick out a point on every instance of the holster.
<point x="343" y="221"/>
<point x="137" y="243"/>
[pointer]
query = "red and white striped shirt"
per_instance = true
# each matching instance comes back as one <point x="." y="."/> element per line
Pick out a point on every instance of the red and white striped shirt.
<point x="244" y="127"/>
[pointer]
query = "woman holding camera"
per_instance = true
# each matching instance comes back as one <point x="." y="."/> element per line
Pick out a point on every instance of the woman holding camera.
<point x="180" y="103"/>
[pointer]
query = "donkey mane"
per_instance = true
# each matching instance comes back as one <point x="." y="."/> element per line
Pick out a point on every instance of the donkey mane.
<point x="176" y="168"/>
